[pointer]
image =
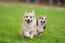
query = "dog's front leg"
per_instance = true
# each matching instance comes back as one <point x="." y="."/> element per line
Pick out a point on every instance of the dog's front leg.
<point x="33" y="33"/>
<point x="41" y="33"/>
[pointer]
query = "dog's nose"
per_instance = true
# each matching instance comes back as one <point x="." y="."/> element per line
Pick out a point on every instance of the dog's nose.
<point x="44" y="22"/>
<point x="28" y="19"/>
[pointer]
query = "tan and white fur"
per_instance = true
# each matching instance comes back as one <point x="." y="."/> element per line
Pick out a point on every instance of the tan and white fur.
<point x="41" y="25"/>
<point x="29" y="25"/>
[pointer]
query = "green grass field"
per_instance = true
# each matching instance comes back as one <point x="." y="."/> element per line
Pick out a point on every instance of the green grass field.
<point x="11" y="18"/>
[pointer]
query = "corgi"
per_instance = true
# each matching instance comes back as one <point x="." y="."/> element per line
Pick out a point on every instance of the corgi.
<point x="29" y="25"/>
<point x="41" y="25"/>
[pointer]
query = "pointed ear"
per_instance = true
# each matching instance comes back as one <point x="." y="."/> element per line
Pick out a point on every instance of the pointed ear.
<point x="25" y="13"/>
<point x="33" y="13"/>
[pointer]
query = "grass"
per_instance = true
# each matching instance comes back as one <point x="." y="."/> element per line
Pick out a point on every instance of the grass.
<point x="11" y="18"/>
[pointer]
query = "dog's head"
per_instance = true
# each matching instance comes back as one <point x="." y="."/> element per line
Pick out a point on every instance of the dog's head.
<point x="42" y="19"/>
<point x="29" y="17"/>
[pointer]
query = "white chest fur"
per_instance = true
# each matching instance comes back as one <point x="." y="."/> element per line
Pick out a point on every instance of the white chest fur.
<point x="40" y="27"/>
<point x="30" y="27"/>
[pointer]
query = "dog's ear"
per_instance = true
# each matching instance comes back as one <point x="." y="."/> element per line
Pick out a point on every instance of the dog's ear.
<point x="33" y="13"/>
<point x="25" y="13"/>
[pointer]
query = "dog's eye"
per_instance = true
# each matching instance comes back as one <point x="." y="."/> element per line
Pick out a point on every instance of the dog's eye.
<point x="41" y="18"/>
<point x="26" y="16"/>
<point x="30" y="16"/>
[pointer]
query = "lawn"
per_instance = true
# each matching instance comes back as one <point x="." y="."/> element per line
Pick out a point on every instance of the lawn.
<point x="11" y="18"/>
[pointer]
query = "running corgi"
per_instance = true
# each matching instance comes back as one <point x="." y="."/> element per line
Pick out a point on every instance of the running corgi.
<point x="29" y="28"/>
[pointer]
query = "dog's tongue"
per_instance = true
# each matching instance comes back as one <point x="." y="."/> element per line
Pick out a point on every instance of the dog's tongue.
<point x="28" y="22"/>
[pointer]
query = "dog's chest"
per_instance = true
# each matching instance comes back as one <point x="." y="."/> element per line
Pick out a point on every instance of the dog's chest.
<point x="41" y="28"/>
<point x="30" y="27"/>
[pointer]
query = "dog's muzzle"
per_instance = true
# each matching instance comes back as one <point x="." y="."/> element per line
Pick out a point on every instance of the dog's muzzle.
<point x="42" y="21"/>
<point x="28" y="21"/>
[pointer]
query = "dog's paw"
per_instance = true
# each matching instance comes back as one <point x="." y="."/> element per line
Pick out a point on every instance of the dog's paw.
<point x="31" y="37"/>
<point x="27" y="34"/>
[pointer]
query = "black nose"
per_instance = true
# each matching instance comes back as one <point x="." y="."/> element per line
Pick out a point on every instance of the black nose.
<point x="28" y="19"/>
<point x="44" y="21"/>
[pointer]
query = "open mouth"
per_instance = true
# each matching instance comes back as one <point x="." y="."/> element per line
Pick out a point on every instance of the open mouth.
<point x="28" y="21"/>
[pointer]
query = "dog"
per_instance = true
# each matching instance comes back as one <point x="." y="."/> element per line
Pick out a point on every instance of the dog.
<point x="41" y="25"/>
<point x="29" y="25"/>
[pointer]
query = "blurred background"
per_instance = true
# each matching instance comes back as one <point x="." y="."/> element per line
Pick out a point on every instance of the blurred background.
<point x="45" y="2"/>
<point x="11" y="19"/>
